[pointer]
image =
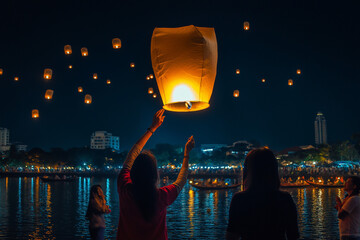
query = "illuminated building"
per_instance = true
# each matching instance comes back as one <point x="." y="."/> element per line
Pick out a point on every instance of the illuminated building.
<point x="320" y="129"/>
<point x="4" y="139"/>
<point x="104" y="140"/>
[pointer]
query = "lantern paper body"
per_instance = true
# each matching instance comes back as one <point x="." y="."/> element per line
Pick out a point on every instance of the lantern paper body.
<point x="147" y="78"/>
<point x="95" y="76"/>
<point x="298" y="71"/>
<point x="290" y="82"/>
<point x="184" y="61"/>
<point x="16" y="79"/>
<point x="246" y="25"/>
<point x="84" y="52"/>
<point x="237" y="71"/>
<point x="108" y="82"/>
<point x="236" y="93"/>
<point x="47" y="73"/>
<point x="154" y="95"/>
<point x="132" y="65"/>
<point x="67" y="50"/>
<point x="1" y="71"/>
<point x="70" y="66"/>
<point x="116" y="42"/>
<point x="35" y="113"/>
<point x="263" y="80"/>
<point x="49" y="94"/>
<point x="80" y="89"/>
<point x="151" y="76"/>
<point x="88" y="99"/>
<point x="150" y="91"/>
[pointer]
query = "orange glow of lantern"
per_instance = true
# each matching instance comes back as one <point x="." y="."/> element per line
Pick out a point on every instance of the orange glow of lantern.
<point x="246" y="26"/>
<point x="236" y="93"/>
<point x="147" y="78"/>
<point x="47" y="73"/>
<point x="108" y="82"/>
<point x="84" y="52"/>
<point x="116" y="42"/>
<point x="263" y="80"/>
<point x="1" y="71"/>
<point x="151" y="76"/>
<point x="16" y="79"/>
<point x="88" y="99"/>
<point x="132" y="65"/>
<point x="154" y="95"/>
<point x="237" y="71"/>
<point x="290" y="82"/>
<point x="184" y="62"/>
<point x="95" y="76"/>
<point x="49" y="94"/>
<point x="70" y="66"/>
<point x="35" y="113"/>
<point x="67" y="50"/>
<point x="298" y="72"/>
<point x="80" y="89"/>
<point x="150" y="91"/>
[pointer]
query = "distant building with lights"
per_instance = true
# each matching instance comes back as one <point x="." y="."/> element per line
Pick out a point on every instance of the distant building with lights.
<point x="320" y="129"/>
<point x="103" y="140"/>
<point x="208" y="149"/>
<point x="4" y="139"/>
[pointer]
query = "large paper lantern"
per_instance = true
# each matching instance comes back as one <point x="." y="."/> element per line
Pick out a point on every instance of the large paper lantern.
<point x="88" y="99"/>
<point x="47" y="73"/>
<point x="35" y="113"/>
<point x="67" y="50"/>
<point x="49" y="94"/>
<point x="184" y="61"/>
<point x="84" y="52"/>
<point x="1" y="71"/>
<point x="116" y="42"/>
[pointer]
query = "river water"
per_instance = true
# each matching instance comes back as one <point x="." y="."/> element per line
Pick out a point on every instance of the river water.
<point x="32" y="209"/>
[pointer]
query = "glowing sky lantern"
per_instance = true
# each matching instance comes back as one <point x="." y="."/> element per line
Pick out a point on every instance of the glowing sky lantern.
<point x="263" y="80"/>
<point x="132" y="65"/>
<point x="147" y="78"/>
<point x="236" y="93"/>
<point x="151" y="76"/>
<point x="80" y="89"/>
<point x="108" y="82"/>
<point x="154" y="95"/>
<point x="95" y="76"/>
<point x="67" y="50"/>
<point x="298" y="71"/>
<point x="184" y="61"/>
<point x="49" y="94"/>
<point x="1" y="71"/>
<point x="290" y="82"/>
<point x="84" y="52"/>
<point x="246" y="26"/>
<point x="35" y="113"/>
<point x="150" y="91"/>
<point x="237" y="71"/>
<point x="16" y="79"/>
<point x="47" y="73"/>
<point x="70" y="66"/>
<point x="116" y="42"/>
<point x="88" y="99"/>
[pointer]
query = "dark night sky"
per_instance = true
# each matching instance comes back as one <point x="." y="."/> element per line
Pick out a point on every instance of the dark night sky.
<point x="320" y="38"/>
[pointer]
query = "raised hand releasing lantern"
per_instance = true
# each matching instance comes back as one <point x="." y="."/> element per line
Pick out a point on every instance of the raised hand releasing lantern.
<point x="184" y="61"/>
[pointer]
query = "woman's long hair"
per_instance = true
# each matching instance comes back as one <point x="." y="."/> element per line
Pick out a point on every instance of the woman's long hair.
<point x="144" y="177"/>
<point x="97" y="202"/>
<point x="261" y="171"/>
<point x="356" y="181"/>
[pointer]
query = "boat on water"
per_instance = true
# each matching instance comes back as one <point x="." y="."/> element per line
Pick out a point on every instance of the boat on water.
<point x="57" y="179"/>
<point x="294" y="185"/>
<point x="213" y="186"/>
<point x="328" y="185"/>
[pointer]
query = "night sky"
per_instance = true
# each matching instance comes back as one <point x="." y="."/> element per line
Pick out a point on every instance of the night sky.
<point x="320" y="38"/>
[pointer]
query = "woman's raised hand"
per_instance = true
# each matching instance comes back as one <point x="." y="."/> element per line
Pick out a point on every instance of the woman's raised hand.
<point x="189" y="146"/>
<point x="158" y="119"/>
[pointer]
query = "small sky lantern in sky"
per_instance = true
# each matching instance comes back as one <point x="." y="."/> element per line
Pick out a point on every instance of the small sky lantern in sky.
<point x="236" y="93"/>
<point x="35" y="113"/>
<point x="237" y="71"/>
<point x="1" y="71"/>
<point x="298" y="72"/>
<point x="151" y="76"/>
<point x="70" y="66"/>
<point x="184" y="62"/>
<point x="108" y="82"/>
<point x="150" y="91"/>
<point x="95" y="76"/>
<point x="67" y="50"/>
<point x="88" y="99"/>
<point x="16" y="79"/>
<point x="154" y="95"/>
<point x="47" y="73"/>
<point x="246" y="26"/>
<point x="132" y="65"/>
<point x="290" y="82"/>
<point x="80" y="89"/>
<point x="147" y="77"/>
<point x="263" y="80"/>
<point x="116" y="42"/>
<point x="49" y="94"/>
<point x="84" y="52"/>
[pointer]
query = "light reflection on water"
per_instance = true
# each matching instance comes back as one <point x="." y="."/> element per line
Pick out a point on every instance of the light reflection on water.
<point x="32" y="209"/>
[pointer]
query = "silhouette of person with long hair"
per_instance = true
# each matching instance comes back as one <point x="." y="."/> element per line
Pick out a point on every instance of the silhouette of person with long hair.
<point x="142" y="204"/>
<point x="95" y="213"/>
<point x="262" y="211"/>
<point x="349" y="210"/>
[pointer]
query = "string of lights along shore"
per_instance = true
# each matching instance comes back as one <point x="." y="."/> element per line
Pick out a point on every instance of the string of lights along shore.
<point x="185" y="85"/>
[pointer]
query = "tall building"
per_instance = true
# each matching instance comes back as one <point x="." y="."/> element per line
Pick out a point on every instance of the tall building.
<point x="4" y="137"/>
<point x="320" y="129"/>
<point x="104" y="140"/>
